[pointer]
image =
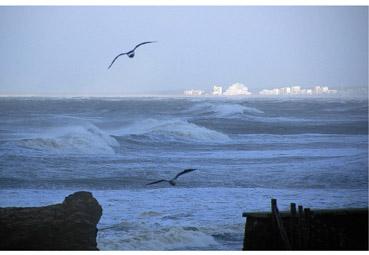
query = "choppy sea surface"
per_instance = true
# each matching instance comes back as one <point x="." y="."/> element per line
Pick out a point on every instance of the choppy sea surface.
<point x="246" y="150"/>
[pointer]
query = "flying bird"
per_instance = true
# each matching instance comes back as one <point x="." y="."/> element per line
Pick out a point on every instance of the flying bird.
<point x="130" y="53"/>
<point x="173" y="181"/>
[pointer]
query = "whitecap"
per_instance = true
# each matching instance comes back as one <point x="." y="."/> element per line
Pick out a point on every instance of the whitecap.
<point x="173" y="129"/>
<point x="73" y="139"/>
<point x="223" y="110"/>
<point x="147" y="237"/>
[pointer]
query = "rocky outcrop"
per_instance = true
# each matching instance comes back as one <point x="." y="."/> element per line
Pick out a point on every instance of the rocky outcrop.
<point x="67" y="226"/>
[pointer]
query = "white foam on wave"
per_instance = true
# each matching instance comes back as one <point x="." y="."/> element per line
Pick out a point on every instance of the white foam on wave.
<point x="175" y="129"/>
<point x="142" y="236"/>
<point x="270" y="119"/>
<point x="80" y="139"/>
<point x="234" y="110"/>
<point x="224" y="109"/>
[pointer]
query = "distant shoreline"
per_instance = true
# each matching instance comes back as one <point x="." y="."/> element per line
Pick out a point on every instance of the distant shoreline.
<point x="336" y="96"/>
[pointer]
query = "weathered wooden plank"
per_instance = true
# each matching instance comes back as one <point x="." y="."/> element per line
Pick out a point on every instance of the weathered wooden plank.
<point x="281" y="229"/>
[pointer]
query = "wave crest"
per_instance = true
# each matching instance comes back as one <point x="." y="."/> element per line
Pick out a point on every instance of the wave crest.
<point x="224" y="110"/>
<point x="85" y="139"/>
<point x="175" y="129"/>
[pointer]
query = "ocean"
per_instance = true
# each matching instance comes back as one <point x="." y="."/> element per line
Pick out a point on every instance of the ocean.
<point x="311" y="151"/>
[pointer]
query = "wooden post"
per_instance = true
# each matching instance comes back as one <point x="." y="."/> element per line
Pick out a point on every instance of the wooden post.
<point x="307" y="227"/>
<point x="300" y="210"/>
<point x="293" y="209"/>
<point x="273" y="203"/>
<point x="292" y="226"/>
<point x="278" y="220"/>
<point x="301" y="228"/>
<point x="276" y="242"/>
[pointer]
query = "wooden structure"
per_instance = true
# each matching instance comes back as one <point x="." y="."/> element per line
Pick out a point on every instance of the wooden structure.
<point x="303" y="229"/>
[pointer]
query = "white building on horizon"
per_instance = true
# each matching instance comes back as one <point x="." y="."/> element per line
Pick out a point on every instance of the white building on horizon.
<point x="297" y="90"/>
<point x="323" y="90"/>
<point x="270" y="92"/>
<point x="237" y="89"/>
<point x="194" y="92"/>
<point x="217" y="90"/>
<point x="285" y="90"/>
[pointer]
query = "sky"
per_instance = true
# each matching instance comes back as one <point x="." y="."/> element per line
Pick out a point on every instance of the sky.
<point x="66" y="50"/>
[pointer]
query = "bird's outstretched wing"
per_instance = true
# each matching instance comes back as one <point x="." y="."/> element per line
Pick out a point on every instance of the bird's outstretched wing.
<point x="156" y="182"/>
<point x="121" y="54"/>
<point x="183" y="172"/>
<point x="138" y="45"/>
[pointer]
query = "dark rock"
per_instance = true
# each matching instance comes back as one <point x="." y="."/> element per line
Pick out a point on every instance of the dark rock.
<point x="67" y="226"/>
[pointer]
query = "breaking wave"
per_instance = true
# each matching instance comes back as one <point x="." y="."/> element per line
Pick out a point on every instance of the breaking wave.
<point x="145" y="237"/>
<point x="174" y="129"/>
<point x="224" y="110"/>
<point x="81" y="139"/>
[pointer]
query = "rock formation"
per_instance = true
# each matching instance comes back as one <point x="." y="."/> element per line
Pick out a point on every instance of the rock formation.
<point x="67" y="226"/>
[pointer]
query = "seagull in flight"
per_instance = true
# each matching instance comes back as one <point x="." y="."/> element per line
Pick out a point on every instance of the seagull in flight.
<point x="130" y="53"/>
<point x="173" y="181"/>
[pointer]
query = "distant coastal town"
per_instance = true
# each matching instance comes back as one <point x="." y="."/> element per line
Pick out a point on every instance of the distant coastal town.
<point x="239" y="89"/>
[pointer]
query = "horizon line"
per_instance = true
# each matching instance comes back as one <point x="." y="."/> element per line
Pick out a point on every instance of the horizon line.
<point x="336" y="95"/>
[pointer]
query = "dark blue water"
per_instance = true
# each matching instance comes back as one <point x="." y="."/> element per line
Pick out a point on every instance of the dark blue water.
<point x="245" y="150"/>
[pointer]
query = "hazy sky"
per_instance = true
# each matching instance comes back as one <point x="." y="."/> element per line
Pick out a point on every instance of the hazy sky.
<point x="66" y="50"/>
